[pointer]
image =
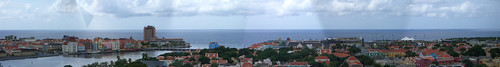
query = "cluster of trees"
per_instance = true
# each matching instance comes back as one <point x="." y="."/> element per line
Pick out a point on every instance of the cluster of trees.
<point x="495" y="52"/>
<point x="410" y="54"/>
<point x="224" y="53"/>
<point x="122" y="62"/>
<point x="179" y="63"/>
<point x="476" y="50"/>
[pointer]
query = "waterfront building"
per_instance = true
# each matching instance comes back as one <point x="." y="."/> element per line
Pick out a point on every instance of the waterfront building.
<point x="10" y="37"/>
<point x="70" y="47"/>
<point x="213" y="45"/>
<point x="81" y="48"/>
<point x="345" y="41"/>
<point x="149" y="33"/>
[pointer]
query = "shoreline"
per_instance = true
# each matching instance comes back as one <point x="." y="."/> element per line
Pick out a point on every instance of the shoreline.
<point x="26" y="57"/>
<point x="50" y="55"/>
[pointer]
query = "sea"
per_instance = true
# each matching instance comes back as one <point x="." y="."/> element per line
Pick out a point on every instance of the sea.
<point x="240" y="38"/>
<point x="227" y="37"/>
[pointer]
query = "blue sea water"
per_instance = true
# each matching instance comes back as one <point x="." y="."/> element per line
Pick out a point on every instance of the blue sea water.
<point x="243" y="38"/>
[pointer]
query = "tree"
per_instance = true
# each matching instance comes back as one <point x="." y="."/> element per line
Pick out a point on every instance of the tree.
<point x="462" y="49"/>
<point x="245" y="51"/>
<point x="410" y="54"/>
<point x="495" y="52"/>
<point x="214" y="65"/>
<point x="176" y="64"/>
<point x="68" y="66"/>
<point x="267" y="53"/>
<point x="354" y="50"/>
<point x="453" y="53"/>
<point x="204" y="60"/>
<point x="476" y="51"/>
<point x="136" y="64"/>
<point x="365" y="60"/>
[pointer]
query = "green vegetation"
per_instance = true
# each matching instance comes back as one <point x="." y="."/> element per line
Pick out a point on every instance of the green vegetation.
<point x="495" y="52"/>
<point x="121" y="62"/>
<point x="453" y="53"/>
<point x="475" y="51"/>
<point x="365" y="60"/>
<point x="68" y="66"/>
<point x="410" y="54"/>
<point x="354" y="50"/>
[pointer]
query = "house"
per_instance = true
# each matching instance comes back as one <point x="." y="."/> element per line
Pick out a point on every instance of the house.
<point x="295" y="64"/>
<point x="218" y="61"/>
<point x="444" y="59"/>
<point x="423" y="62"/>
<point x="212" y="55"/>
<point x="322" y="59"/>
<point x="341" y="54"/>
<point x="375" y="52"/>
<point x="394" y="53"/>
<point x="325" y="51"/>
<point x="246" y="64"/>
<point x="353" y="62"/>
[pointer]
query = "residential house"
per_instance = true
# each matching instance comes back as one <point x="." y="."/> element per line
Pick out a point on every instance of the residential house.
<point x="341" y="54"/>
<point x="394" y="53"/>
<point x="212" y="55"/>
<point x="325" y="51"/>
<point x="322" y="59"/>
<point x="445" y="59"/>
<point x="295" y="64"/>
<point x="353" y="62"/>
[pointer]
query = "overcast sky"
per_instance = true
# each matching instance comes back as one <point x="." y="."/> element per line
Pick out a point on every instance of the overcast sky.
<point x="248" y="14"/>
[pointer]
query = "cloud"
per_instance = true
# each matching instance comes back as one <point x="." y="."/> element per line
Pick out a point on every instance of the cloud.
<point x="431" y="9"/>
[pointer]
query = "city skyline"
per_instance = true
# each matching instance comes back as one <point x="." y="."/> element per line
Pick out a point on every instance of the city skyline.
<point x="248" y="14"/>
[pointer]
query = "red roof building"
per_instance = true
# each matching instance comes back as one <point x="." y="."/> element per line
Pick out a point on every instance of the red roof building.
<point x="341" y="54"/>
<point x="212" y="55"/>
<point x="218" y="61"/>
<point x="353" y="62"/>
<point x="322" y="59"/>
<point x="325" y="51"/>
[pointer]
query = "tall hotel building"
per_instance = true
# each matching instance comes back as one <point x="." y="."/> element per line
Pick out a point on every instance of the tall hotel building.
<point x="149" y="33"/>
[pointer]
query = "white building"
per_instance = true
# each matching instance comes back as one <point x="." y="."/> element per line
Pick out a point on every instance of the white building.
<point x="70" y="47"/>
<point x="115" y="45"/>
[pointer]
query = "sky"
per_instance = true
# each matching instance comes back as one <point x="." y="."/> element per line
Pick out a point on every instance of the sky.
<point x="248" y="14"/>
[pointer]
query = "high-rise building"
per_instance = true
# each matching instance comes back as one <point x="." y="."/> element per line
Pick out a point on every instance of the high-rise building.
<point x="149" y="33"/>
<point x="10" y="37"/>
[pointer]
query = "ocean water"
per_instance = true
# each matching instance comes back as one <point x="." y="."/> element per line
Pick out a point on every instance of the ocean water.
<point x="244" y="38"/>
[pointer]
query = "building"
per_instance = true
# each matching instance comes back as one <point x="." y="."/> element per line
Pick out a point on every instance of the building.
<point x="295" y="64"/>
<point x="325" y="51"/>
<point x="10" y="37"/>
<point x="353" y="62"/>
<point x="81" y="48"/>
<point x="341" y="54"/>
<point x="213" y="45"/>
<point x="212" y="55"/>
<point x="149" y="33"/>
<point x="322" y="59"/>
<point x="394" y="53"/>
<point x="70" y="47"/>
